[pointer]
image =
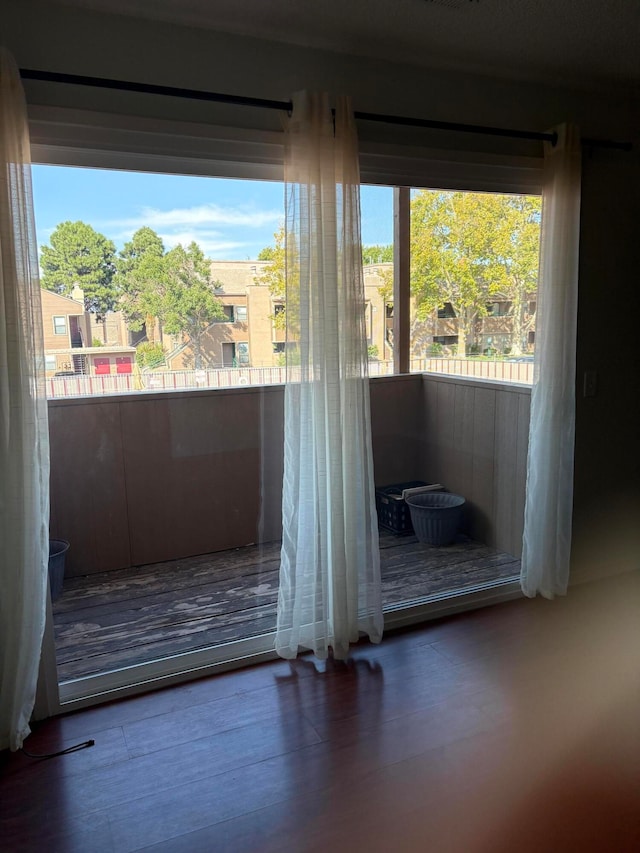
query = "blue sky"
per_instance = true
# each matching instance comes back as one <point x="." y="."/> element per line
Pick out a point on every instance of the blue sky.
<point x="229" y="219"/>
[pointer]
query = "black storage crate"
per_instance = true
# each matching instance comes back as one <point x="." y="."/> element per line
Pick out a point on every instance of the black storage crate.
<point x="393" y="512"/>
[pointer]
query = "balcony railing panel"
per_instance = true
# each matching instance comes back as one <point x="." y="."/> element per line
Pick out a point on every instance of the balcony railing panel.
<point x="235" y="377"/>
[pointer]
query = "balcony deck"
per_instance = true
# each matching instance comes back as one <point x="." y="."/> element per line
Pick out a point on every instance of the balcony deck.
<point x="131" y="616"/>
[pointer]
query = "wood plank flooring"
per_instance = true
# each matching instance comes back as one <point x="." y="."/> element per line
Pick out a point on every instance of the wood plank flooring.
<point x="114" y="619"/>
<point x="512" y="729"/>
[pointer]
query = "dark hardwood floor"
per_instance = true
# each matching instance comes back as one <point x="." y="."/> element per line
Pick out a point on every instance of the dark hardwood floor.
<point x="114" y="619"/>
<point x="512" y="729"/>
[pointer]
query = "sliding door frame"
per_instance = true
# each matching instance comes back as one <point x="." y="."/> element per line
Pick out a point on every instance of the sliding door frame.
<point x="82" y="138"/>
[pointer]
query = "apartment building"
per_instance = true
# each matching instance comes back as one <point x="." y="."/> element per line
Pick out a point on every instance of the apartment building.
<point x="249" y="333"/>
<point x="69" y="333"/>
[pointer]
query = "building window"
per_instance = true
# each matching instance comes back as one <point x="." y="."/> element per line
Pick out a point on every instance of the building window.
<point x="50" y="363"/>
<point x="228" y="354"/>
<point x="241" y="313"/>
<point x="242" y="353"/>
<point x="446" y="312"/>
<point x="492" y="344"/>
<point x="278" y="347"/>
<point x="59" y="325"/>
<point x="227" y="315"/>
<point x="498" y="309"/>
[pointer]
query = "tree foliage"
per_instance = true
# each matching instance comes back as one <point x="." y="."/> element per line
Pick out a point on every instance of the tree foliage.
<point x="141" y="273"/>
<point x="268" y="252"/>
<point x="469" y="249"/>
<point x="79" y="255"/>
<point x="386" y="288"/>
<point x="377" y="254"/>
<point x="175" y="287"/>
<point x="273" y="275"/>
<point x="188" y="305"/>
<point x="150" y="355"/>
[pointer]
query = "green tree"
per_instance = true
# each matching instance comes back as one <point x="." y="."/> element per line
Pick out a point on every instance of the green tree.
<point x="377" y="254"/>
<point x="176" y="287"/>
<point x="273" y="275"/>
<point x="186" y="303"/>
<point x="373" y="352"/>
<point x="386" y="288"/>
<point x="514" y="268"/>
<point x="141" y="274"/>
<point x="149" y="355"/>
<point x="469" y="249"/>
<point x="80" y="256"/>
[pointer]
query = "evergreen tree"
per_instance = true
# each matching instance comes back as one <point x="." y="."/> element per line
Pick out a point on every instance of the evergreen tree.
<point x="79" y="255"/>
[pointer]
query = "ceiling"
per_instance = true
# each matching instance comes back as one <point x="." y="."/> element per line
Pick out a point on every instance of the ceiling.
<point x="590" y="43"/>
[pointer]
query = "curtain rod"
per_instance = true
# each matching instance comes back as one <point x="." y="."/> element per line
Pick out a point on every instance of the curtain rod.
<point x="287" y="106"/>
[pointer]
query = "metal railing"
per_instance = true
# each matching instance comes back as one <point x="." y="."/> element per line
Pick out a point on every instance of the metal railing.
<point x="237" y="377"/>
<point x="477" y="368"/>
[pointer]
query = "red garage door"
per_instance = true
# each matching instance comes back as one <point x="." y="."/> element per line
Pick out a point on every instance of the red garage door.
<point x="123" y="364"/>
<point x="103" y="365"/>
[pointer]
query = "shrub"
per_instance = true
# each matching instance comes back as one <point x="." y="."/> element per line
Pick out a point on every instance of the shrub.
<point x="149" y="355"/>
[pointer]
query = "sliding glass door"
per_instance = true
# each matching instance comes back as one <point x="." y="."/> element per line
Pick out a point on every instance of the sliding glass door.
<point x="164" y="334"/>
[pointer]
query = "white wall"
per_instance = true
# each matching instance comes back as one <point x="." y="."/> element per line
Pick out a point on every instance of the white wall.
<point x="607" y="504"/>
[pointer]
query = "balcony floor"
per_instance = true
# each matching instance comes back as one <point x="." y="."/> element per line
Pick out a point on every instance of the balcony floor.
<point x="119" y="618"/>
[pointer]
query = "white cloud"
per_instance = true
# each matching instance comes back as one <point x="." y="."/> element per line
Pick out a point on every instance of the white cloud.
<point x="204" y="215"/>
<point x="219" y="231"/>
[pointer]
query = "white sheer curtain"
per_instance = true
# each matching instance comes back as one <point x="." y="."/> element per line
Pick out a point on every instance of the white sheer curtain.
<point x="548" y="509"/>
<point x="24" y="442"/>
<point x="330" y="562"/>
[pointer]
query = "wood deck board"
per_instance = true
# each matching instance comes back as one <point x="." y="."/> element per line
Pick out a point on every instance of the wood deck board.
<point x="128" y="584"/>
<point x="162" y="646"/>
<point x="144" y="633"/>
<point x="157" y="607"/>
<point x="120" y="618"/>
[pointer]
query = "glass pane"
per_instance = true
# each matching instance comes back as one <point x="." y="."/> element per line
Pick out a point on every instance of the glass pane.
<point x="177" y="488"/>
<point x="185" y="277"/>
<point x="161" y="496"/>
<point x="474" y="275"/>
<point x="377" y="258"/>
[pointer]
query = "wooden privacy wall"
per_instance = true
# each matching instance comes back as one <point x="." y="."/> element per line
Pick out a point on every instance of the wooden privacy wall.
<point x="147" y="478"/>
<point x="474" y="441"/>
<point x="139" y="479"/>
